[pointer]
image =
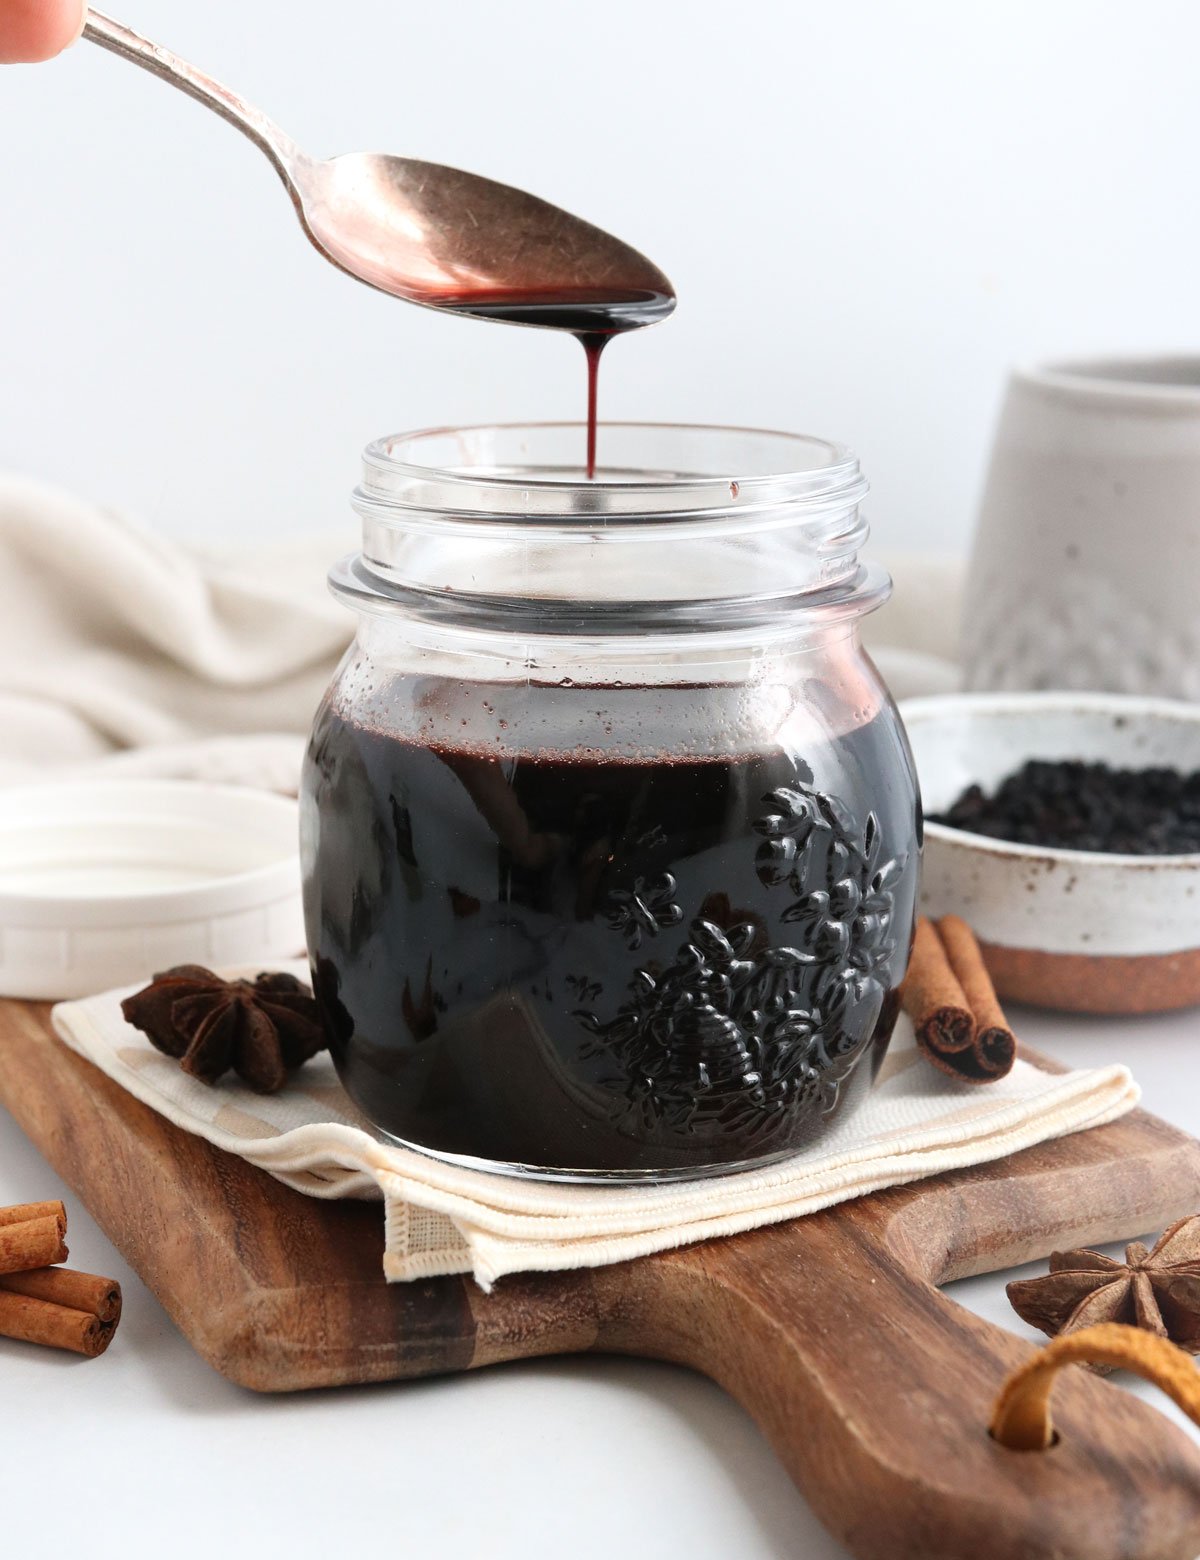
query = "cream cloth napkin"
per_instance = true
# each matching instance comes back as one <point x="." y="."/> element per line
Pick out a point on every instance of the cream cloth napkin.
<point x="115" y="640"/>
<point x="123" y="651"/>
<point x="443" y="1219"/>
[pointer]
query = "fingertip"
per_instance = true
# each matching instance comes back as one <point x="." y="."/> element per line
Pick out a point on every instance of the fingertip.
<point x="32" y="31"/>
<point x="76" y="20"/>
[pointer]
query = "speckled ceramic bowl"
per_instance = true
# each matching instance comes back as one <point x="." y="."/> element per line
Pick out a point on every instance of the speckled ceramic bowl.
<point x="1072" y="929"/>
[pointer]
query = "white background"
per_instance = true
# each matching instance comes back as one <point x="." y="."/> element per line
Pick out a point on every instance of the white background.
<point x="869" y="210"/>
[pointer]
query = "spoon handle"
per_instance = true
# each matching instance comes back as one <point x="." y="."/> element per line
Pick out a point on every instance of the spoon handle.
<point x="122" y="40"/>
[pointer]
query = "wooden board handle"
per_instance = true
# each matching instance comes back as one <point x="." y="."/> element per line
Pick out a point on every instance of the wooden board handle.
<point x="875" y="1391"/>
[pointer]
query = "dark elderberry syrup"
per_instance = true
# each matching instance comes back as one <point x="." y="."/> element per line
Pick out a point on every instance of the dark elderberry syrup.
<point x="593" y="315"/>
<point x="601" y="960"/>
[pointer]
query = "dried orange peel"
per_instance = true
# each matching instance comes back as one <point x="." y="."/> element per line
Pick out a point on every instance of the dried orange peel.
<point x="1021" y="1415"/>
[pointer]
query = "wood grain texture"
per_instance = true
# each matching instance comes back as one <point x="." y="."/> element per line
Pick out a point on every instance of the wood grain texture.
<point x="873" y="1387"/>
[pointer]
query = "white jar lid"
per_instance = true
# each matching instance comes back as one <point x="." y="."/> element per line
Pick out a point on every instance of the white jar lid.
<point x="103" y="883"/>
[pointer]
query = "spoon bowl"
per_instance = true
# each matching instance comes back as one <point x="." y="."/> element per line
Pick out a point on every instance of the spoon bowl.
<point x="453" y="240"/>
<point x="430" y="234"/>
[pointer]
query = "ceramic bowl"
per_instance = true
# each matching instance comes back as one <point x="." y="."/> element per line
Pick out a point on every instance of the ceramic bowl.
<point x="104" y="883"/>
<point x="1078" y="930"/>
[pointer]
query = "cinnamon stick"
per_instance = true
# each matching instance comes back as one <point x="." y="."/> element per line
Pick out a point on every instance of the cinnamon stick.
<point x="41" y="1303"/>
<point x="55" y="1326"/>
<point x="32" y="1243"/>
<point x="20" y="1213"/>
<point x="99" y="1297"/>
<point x="936" y="1003"/>
<point x="995" y="1048"/>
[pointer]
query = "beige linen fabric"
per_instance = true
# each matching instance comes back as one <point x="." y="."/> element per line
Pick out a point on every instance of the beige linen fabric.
<point x="113" y="638"/>
<point x="443" y="1219"/>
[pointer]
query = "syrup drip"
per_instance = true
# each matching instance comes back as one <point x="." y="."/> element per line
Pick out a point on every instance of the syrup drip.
<point x="593" y="315"/>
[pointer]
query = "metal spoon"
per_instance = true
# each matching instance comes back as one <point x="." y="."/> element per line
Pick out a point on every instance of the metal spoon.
<point x="433" y="235"/>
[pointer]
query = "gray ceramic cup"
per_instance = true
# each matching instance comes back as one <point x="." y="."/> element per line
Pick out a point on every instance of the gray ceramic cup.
<point x="1086" y="561"/>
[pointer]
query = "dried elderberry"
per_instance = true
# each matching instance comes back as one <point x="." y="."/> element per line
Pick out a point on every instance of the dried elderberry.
<point x="1072" y="805"/>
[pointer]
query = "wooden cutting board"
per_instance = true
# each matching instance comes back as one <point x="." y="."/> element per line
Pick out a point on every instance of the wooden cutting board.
<point x="873" y="1388"/>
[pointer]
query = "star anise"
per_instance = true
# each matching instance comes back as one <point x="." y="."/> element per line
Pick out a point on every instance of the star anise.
<point x="1158" y="1290"/>
<point x="261" y="1028"/>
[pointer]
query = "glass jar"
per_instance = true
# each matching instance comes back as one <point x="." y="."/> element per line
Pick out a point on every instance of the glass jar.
<point x="610" y="828"/>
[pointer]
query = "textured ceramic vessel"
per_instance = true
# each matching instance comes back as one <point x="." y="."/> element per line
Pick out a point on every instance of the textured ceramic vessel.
<point x="1087" y="555"/>
<point x="1079" y="930"/>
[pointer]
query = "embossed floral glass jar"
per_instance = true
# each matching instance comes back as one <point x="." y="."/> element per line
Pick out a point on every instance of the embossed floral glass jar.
<point x="610" y="829"/>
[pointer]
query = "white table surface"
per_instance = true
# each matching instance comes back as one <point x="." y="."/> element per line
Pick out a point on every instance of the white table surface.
<point x="148" y="1452"/>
